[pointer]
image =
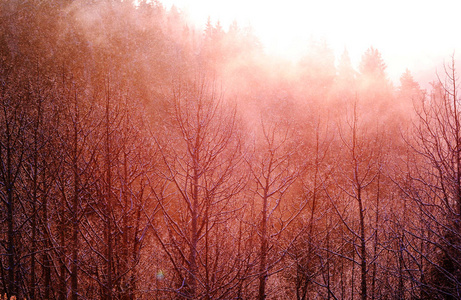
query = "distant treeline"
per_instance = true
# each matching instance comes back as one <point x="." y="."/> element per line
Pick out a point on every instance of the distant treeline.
<point x="143" y="158"/>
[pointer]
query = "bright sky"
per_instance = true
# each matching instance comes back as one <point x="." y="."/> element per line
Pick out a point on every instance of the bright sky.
<point x="418" y="35"/>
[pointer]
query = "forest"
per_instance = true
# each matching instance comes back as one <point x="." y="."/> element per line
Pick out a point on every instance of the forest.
<point x="144" y="158"/>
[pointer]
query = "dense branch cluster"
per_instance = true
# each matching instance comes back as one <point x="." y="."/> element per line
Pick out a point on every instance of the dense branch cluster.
<point x="142" y="158"/>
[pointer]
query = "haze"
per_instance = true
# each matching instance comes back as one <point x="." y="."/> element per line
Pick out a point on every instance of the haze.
<point x="416" y="35"/>
<point x="147" y="154"/>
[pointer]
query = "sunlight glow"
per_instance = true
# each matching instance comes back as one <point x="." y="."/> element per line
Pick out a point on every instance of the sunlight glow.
<point x="409" y="34"/>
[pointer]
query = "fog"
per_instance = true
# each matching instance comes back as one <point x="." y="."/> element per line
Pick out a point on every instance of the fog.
<point x="154" y="151"/>
<point x="409" y="34"/>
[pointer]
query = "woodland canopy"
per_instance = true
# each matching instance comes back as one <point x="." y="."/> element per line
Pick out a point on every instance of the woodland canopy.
<point x="143" y="158"/>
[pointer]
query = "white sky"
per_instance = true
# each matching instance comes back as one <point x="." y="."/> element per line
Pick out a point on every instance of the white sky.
<point x="418" y="35"/>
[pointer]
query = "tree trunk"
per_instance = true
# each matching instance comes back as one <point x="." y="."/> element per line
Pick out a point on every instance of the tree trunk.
<point x="263" y="250"/>
<point x="75" y="203"/>
<point x="363" y="253"/>
<point x="192" y="282"/>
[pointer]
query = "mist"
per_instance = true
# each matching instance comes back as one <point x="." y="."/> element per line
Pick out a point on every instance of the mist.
<point x="145" y="155"/>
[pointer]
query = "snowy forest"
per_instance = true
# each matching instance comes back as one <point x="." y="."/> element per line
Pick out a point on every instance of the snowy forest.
<point x="144" y="158"/>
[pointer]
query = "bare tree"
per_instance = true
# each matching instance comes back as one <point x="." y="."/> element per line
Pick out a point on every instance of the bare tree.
<point x="356" y="180"/>
<point x="434" y="182"/>
<point x="200" y="159"/>
<point x="273" y="172"/>
<point x="315" y="222"/>
<point x="14" y="123"/>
